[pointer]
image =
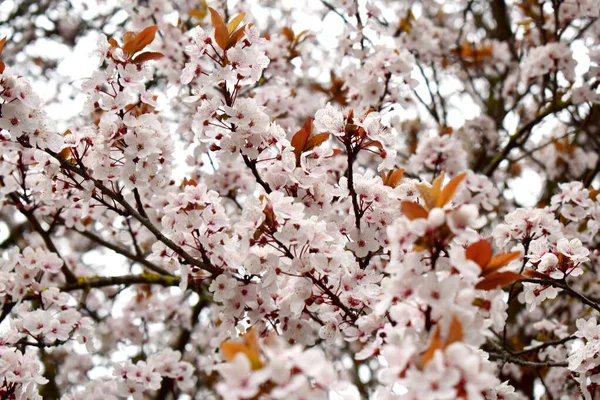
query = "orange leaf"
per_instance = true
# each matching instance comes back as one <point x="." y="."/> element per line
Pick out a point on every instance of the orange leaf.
<point x="593" y="192"/>
<point x="497" y="279"/>
<point x="236" y="36"/>
<point x="2" y="66"/>
<point x="501" y="260"/>
<point x="449" y="190"/>
<point x="335" y="153"/>
<point x="375" y="143"/>
<point x="413" y="210"/>
<point x="65" y="153"/>
<point x="147" y="56"/>
<point x="198" y="14"/>
<point x="248" y="346"/>
<point x="455" y="334"/>
<point x="434" y="344"/>
<point x="480" y="252"/>
<point x="303" y="33"/>
<point x="394" y="177"/>
<point x="221" y="32"/>
<point x="300" y="138"/>
<point x="316" y="140"/>
<point x="235" y="21"/>
<point x="431" y="193"/>
<point x="201" y="12"/>
<point x="188" y="182"/>
<point x="288" y="33"/>
<point x="142" y="39"/>
<point x="2" y="42"/>
<point x="535" y="274"/>
<point x="113" y="43"/>
<point x="128" y="37"/>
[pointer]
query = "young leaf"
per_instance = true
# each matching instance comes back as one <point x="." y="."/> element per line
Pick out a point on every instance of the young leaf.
<point x="2" y="42"/>
<point x="128" y="36"/>
<point x="393" y="178"/>
<point x="300" y="138"/>
<point x="147" y="56"/>
<point x="480" y="252"/>
<point x="501" y="260"/>
<point x="431" y="193"/>
<point x="316" y="140"/>
<point x="413" y="210"/>
<point x="449" y="190"/>
<point x="221" y="32"/>
<point x="498" y="279"/>
<point x="249" y="347"/>
<point x="235" y="21"/>
<point x="237" y="35"/>
<point x="532" y="273"/>
<point x="335" y="153"/>
<point x="201" y="12"/>
<point x="435" y="344"/>
<point x="141" y="40"/>
<point x="288" y="33"/>
<point x="455" y="333"/>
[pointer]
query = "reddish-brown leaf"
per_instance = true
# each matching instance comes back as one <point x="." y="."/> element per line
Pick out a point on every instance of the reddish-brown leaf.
<point x="221" y="32"/>
<point x="288" y="33"/>
<point x="236" y="36"/>
<point x="455" y="333"/>
<point x="145" y="37"/>
<point x="501" y="260"/>
<point x="300" y="138"/>
<point x="434" y="344"/>
<point x="65" y="153"/>
<point x="375" y="143"/>
<point x="480" y="252"/>
<point x="393" y="178"/>
<point x="2" y="66"/>
<point x="142" y="39"/>
<point x="113" y="43"/>
<point x="335" y="153"/>
<point x="316" y="140"/>
<point x="147" y="56"/>
<point x="128" y="37"/>
<point x="413" y="210"/>
<point x="532" y="273"/>
<point x="188" y="182"/>
<point x="2" y="42"/>
<point x="449" y="190"/>
<point x="498" y="279"/>
<point x="304" y="33"/>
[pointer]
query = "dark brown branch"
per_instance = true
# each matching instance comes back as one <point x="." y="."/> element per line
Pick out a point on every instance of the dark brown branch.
<point x="252" y="165"/>
<point x="570" y="291"/>
<point x="35" y="224"/>
<point x="139" y="259"/>
<point x="167" y="384"/>
<point x="516" y="139"/>
<point x="118" y="198"/>
<point x="350" y="175"/>
<point x="104" y="281"/>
